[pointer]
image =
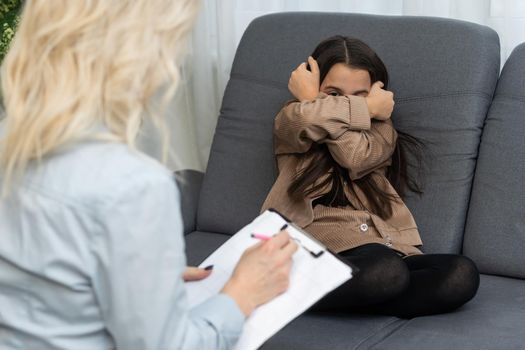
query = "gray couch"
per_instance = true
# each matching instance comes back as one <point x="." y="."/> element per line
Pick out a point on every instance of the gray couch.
<point x="445" y="77"/>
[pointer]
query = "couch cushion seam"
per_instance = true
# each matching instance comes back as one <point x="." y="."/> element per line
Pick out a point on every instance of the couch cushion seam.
<point x="395" y="320"/>
<point x="516" y="98"/>
<point x="259" y="81"/>
<point x="444" y="95"/>
<point x="403" y="323"/>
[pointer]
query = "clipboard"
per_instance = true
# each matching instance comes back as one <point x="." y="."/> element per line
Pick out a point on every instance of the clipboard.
<point x="316" y="271"/>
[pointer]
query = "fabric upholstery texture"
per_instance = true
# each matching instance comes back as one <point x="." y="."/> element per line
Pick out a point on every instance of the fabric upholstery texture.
<point x="201" y="244"/>
<point x="495" y="232"/>
<point x="492" y="320"/>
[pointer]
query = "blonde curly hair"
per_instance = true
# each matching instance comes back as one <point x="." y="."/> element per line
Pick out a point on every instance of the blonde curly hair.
<point x="74" y="65"/>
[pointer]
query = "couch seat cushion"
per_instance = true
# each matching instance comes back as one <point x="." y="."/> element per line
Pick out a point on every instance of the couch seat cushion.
<point x="492" y="320"/>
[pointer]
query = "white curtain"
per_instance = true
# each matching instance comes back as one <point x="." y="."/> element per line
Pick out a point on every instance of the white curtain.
<point x="221" y="23"/>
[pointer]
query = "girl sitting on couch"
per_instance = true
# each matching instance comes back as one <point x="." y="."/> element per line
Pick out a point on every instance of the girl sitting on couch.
<point x="343" y="176"/>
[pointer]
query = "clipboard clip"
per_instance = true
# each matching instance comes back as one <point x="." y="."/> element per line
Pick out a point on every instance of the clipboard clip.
<point x="312" y="253"/>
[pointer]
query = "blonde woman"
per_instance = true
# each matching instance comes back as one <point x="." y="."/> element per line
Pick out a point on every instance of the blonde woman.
<point x="91" y="246"/>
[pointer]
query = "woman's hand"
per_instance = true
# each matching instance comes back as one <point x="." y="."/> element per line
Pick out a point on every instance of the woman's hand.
<point x="304" y="83"/>
<point x="380" y="102"/>
<point x="262" y="272"/>
<point x="195" y="274"/>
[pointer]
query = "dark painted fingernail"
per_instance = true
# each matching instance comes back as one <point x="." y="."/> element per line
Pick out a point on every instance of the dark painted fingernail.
<point x="208" y="268"/>
<point x="284" y="227"/>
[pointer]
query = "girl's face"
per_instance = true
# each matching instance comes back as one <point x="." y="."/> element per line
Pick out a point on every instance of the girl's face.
<point x="344" y="80"/>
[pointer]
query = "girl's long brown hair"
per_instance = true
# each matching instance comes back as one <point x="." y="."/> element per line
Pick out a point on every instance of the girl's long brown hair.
<point x="357" y="54"/>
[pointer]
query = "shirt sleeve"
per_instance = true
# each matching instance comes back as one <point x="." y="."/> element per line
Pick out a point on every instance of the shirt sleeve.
<point x="363" y="152"/>
<point x="139" y="261"/>
<point x="299" y="124"/>
<point x="343" y="123"/>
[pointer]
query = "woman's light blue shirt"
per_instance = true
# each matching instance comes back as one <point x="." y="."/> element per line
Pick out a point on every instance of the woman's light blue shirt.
<point x="91" y="257"/>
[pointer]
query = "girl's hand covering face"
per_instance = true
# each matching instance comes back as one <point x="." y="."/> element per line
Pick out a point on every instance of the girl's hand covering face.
<point x="304" y="83"/>
<point x="380" y="102"/>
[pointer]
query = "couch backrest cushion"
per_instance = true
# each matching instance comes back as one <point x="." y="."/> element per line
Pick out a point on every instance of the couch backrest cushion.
<point x="495" y="232"/>
<point x="443" y="73"/>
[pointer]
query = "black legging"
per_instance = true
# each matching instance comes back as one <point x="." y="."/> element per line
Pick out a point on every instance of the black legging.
<point x="405" y="287"/>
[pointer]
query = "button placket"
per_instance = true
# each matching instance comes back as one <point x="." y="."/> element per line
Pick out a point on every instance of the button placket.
<point x="388" y="241"/>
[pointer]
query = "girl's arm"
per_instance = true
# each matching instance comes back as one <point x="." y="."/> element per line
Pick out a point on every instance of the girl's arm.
<point x="356" y="142"/>
<point x="299" y="124"/>
<point x="344" y="124"/>
<point x="365" y="151"/>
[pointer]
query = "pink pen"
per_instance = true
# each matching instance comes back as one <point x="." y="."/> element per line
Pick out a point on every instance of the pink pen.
<point x="264" y="237"/>
<point x="260" y="236"/>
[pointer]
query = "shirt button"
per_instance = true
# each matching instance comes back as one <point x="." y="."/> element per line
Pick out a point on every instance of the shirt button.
<point x="363" y="227"/>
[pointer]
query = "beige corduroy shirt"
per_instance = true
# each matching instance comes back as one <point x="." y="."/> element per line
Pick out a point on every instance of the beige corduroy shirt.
<point x="358" y="143"/>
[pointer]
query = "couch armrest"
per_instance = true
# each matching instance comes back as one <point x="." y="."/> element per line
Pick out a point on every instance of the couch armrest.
<point x="189" y="183"/>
